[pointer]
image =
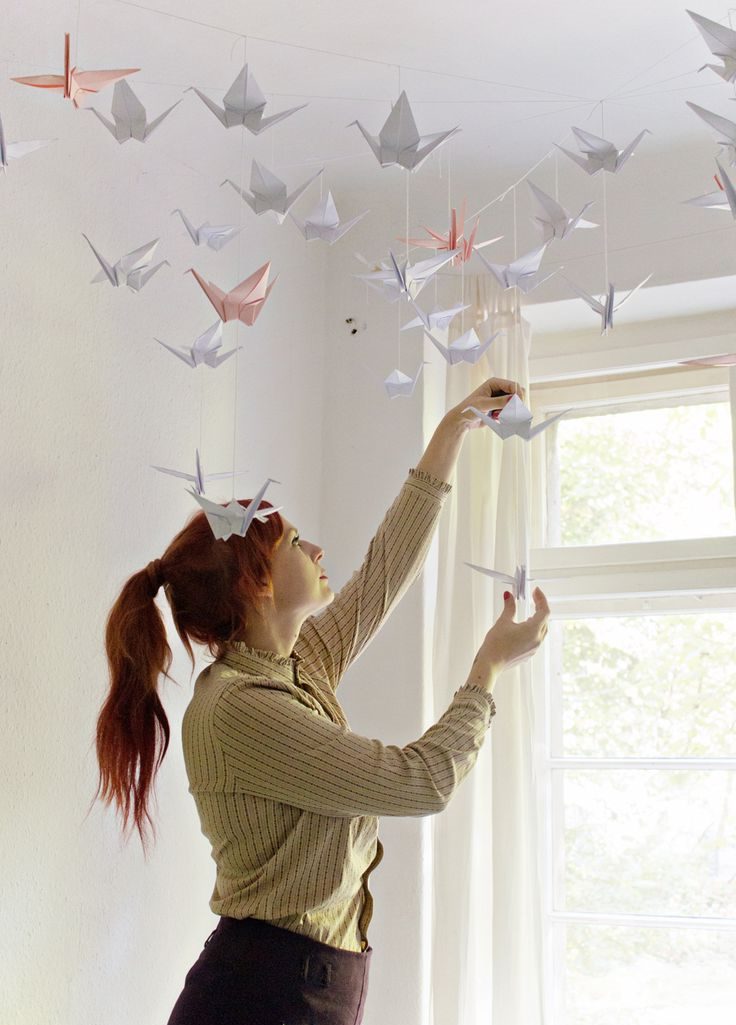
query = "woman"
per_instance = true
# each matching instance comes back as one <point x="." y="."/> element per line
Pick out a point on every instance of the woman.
<point x="287" y="795"/>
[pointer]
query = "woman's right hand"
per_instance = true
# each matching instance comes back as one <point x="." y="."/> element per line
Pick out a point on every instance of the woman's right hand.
<point x="507" y="643"/>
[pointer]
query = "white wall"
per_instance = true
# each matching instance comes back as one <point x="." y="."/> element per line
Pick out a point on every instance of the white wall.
<point x="92" y="934"/>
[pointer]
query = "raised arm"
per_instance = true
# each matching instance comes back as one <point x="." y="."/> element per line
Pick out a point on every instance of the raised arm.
<point x="330" y="641"/>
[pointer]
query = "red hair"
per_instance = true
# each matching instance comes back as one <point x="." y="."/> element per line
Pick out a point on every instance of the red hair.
<point x="211" y="586"/>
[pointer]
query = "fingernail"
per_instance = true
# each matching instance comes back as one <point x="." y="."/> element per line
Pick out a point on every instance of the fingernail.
<point x="506" y="595"/>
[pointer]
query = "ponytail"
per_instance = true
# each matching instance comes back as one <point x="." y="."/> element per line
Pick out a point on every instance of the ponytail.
<point x="132" y="728"/>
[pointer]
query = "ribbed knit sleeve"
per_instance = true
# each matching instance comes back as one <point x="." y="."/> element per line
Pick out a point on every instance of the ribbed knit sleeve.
<point x="277" y="748"/>
<point x="331" y="640"/>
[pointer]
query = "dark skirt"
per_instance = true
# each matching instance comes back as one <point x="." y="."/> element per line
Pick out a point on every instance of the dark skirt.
<point x="254" y="973"/>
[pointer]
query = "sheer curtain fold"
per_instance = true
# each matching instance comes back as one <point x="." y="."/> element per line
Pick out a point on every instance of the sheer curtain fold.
<point x="486" y="950"/>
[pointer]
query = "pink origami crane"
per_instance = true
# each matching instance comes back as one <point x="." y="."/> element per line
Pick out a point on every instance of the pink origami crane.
<point x="454" y="239"/>
<point x="74" y="83"/>
<point x="244" y="302"/>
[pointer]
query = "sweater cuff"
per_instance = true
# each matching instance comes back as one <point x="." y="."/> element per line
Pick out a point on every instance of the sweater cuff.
<point x="482" y="695"/>
<point x="429" y="484"/>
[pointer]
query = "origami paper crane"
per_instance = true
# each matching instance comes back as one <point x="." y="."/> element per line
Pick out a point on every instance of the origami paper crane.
<point x="437" y="320"/>
<point x="213" y="235"/>
<point x="394" y="280"/>
<point x="721" y="41"/>
<point x="468" y="348"/>
<point x="205" y="349"/>
<point x="268" y="193"/>
<point x="514" y="418"/>
<point x="244" y="104"/>
<point x="454" y="239"/>
<point x="134" y="269"/>
<point x="523" y="272"/>
<point x="553" y="219"/>
<point x="129" y="116"/>
<point x="721" y="199"/>
<point x="245" y="301"/>
<point x="14" y="150"/>
<point x="606" y="306"/>
<point x="324" y="223"/>
<point x="725" y="128"/>
<point x="75" y="83"/>
<point x="234" y="518"/>
<point x="518" y="581"/>
<point x="600" y="154"/>
<point x="399" y="141"/>
<point x="398" y="384"/>
<point x="198" y="478"/>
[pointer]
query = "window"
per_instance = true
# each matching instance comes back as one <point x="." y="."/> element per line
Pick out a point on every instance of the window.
<point x="635" y="544"/>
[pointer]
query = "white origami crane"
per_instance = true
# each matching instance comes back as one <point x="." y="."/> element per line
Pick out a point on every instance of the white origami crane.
<point x="268" y="193"/>
<point x="553" y="219"/>
<point x="213" y="235"/>
<point x="518" y="581"/>
<point x="600" y="154"/>
<point x="14" y="150"/>
<point x="399" y="141"/>
<point x="205" y="350"/>
<point x="129" y="115"/>
<point x="394" y="280"/>
<point x="134" y="269"/>
<point x="722" y="199"/>
<point x="725" y="128"/>
<point x="398" y="383"/>
<point x="523" y="272"/>
<point x="514" y="418"/>
<point x="468" y="348"/>
<point x="234" y="518"/>
<point x="324" y="222"/>
<point x="721" y="41"/>
<point x="606" y="306"/>
<point x="244" y="104"/>
<point x="198" y="478"/>
<point x="437" y="320"/>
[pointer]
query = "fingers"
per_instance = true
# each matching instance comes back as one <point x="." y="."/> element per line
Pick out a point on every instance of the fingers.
<point x="500" y="384"/>
<point x="509" y="605"/>
<point x="541" y="606"/>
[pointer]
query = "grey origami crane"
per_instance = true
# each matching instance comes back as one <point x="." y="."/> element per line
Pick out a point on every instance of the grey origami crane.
<point x="244" y="104"/>
<point x="14" y="150"/>
<point x="268" y="193"/>
<point x="437" y="320"/>
<point x="600" y="154"/>
<point x="213" y="235"/>
<point x="606" y="306"/>
<point x="399" y="141"/>
<point x="725" y="128"/>
<point x="468" y="348"/>
<point x="399" y="384"/>
<point x="721" y="41"/>
<point x="518" y="581"/>
<point x="553" y="219"/>
<point x="324" y="223"/>
<point x="134" y="269"/>
<point x="198" y="478"/>
<point x="205" y="349"/>
<point x="723" y="199"/>
<point x="129" y="115"/>
<point x="514" y="419"/>
<point x="523" y="272"/>
<point x="234" y="518"/>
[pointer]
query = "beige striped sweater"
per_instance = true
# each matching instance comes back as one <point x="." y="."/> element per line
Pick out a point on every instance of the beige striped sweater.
<point x="287" y="794"/>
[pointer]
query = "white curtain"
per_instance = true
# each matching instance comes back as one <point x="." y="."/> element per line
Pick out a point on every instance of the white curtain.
<point x="732" y="391"/>
<point x="486" y="950"/>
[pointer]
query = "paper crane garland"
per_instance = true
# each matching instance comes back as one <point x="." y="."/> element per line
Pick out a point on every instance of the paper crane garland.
<point x="606" y="306"/>
<point x="399" y="141"/>
<point x="552" y="218"/>
<point x="134" y="269"/>
<point x="75" y="83"/>
<point x="205" y="350"/>
<point x="517" y="582"/>
<point x="244" y="104"/>
<point x="514" y="419"/>
<point x="235" y="518"/>
<point x="522" y="273"/>
<point x="721" y="41"/>
<point x="198" y="478"/>
<point x="213" y="235"/>
<point x="399" y="384"/>
<point x="600" y="154"/>
<point x="268" y="193"/>
<point x="14" y="150"/>
<point x="245" y="301"/>
<point x="455" y="239"/>
<point x="129" y="119"/>
<point x="324" y="223"/>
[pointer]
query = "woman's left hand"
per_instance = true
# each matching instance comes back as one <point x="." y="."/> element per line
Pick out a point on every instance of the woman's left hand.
<point x="492" y="394"/>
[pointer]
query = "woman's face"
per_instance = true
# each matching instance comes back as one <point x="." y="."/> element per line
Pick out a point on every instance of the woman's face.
<point x="299" y="582"/>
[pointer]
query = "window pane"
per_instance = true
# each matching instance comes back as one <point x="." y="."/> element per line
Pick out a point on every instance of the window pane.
<point x="648" y="841"/>
<point x="646" y="686"/>
<point x="616" y="974"/>
<point x="649" y="475"/>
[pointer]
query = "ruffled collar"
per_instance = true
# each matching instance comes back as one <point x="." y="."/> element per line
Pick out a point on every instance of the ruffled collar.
<point x="257" y="662"/>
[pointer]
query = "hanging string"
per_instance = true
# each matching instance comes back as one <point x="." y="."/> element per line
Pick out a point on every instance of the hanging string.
<point x="76" y="33"/>
<point x="557" y="175"/>
<point x="604" y="175"/>
<point x="236" y="361"/>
